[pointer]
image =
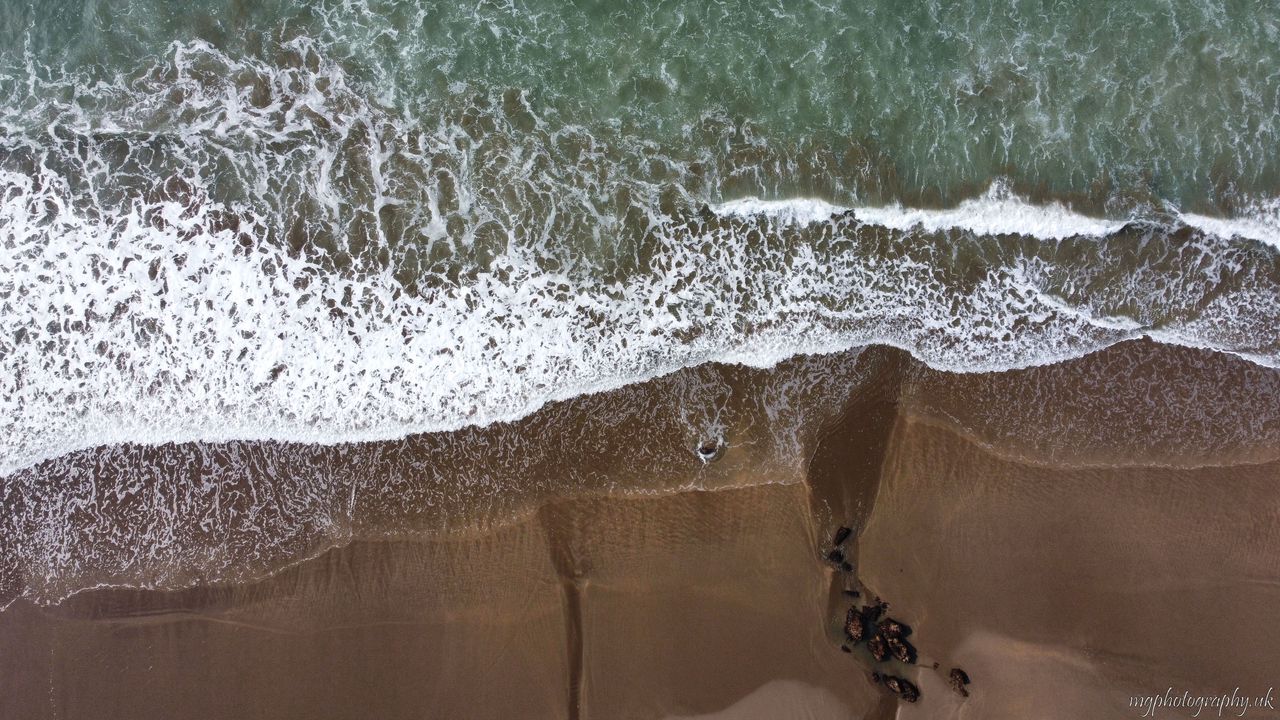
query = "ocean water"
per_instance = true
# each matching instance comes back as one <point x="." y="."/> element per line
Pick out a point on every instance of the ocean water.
<point x="344" y="220"/>
<point x="529" y="344"/>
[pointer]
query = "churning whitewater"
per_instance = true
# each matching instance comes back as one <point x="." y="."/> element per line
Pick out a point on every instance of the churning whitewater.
<point x="211" y="245"/>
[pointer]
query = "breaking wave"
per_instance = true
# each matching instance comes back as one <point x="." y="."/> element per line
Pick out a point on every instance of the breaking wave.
<point x="216" y="248"/>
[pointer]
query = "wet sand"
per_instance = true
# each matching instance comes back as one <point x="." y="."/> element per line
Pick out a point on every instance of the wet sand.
<point x="1069" y="535"/>
<point x="680" y="605"/>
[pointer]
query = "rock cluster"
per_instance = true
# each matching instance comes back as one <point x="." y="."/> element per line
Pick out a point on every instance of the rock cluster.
<point x="901" y="687"/>
<point x="885" y="637"/>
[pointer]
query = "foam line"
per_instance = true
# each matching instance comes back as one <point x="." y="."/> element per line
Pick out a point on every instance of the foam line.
<point x="999" y="211"/>
<point x="996" y="212"/>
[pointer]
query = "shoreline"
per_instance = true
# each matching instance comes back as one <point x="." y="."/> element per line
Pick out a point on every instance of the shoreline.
<point x="1070" y="577"/>
<point x="488" y="495"/>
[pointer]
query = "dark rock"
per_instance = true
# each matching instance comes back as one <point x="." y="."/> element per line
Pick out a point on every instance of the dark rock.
<point x="710" y="450"/>
<point x="902" y="687"/>
<point x="836" y="556"/>
<point x="894" y="629"/>
<point x="902" y="650"/>
<point x="706" y="213"/>
<point x="841" y="535"/>
<point x="958" y="679"/>
<point x="875" y="610"/>
<point x="851" y="593"/>
<point x="846" y="648"/>
<point x="878" y="647"/>
<point x="854" y="627"/>
<point x="846" y="567"/>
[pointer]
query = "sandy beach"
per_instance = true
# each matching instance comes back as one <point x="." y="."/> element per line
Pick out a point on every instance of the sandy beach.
<point x="639" y="360"/>
<point x="585" y="609"/>
<point x="1052" y="559"/>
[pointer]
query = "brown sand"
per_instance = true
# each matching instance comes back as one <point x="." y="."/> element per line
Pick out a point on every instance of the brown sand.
<point x="612" y="608"/>
<point x="1062" y="592"/>
<point x="1070" y="536"/>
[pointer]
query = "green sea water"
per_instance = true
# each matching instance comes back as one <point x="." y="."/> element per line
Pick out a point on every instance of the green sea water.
<point x="1162" y="100"/>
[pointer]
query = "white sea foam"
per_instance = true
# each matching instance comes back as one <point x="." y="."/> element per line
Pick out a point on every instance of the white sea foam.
<point x="997" y="212"/>
<point x="1259" y="222"/>
<point x="183" y="315"/>
<point x="216" y="344"/>
<point x="797" y="211"/>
